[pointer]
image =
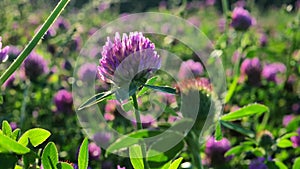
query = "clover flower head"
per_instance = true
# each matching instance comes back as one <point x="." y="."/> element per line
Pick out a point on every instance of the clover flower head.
<point x="35" y="66"/>
<point x="13" y="51"/>
<point x="200" y="84"/>
<point x="202" y="88"/>
<point x="252" y="68"/>
<point x="126" y="58"/>
<point x="215" y="150"/>
<point x="94" y="151"/>
<point x="271" y="71"/>
<point x="102" y="138"/>
<point x="241" y="19"/>
<point x="296" y="139"/>
<point x="258" y="163"/>
<point x="68" y="66"/>
<point x="61" y="23"/>
<point x="75" y="43"/>
<point x="287" y="119"/>
<point x="263" y="40"/>
<point x="64" y="101"/>
<point x="87" y="72"/>
<point x="266" y="138"/>
<point x="190" y="68"/>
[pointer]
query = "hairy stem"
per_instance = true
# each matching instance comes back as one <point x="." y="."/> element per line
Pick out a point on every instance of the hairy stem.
<point x="139" y="127"/>
<point x="194" y="148"/>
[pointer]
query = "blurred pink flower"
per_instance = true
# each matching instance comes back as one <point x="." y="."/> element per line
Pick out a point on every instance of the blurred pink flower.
<point x="241" y="19"/>
<point x="64" y="101"/>
<point x="252" y="68"/>
<point x="119" y="167"/>
<point x="286" y="119"/>
<point x="190" y="69"/>
<point x="271" y="72"/>
<point x="296" y="107"/>
<point x="94" y="151"/>
<point x="215" y="151"/>
<point x="296" y="139"/>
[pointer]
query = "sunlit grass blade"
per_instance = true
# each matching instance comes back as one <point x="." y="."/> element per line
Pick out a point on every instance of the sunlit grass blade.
<point x="96" y="99"/>
<point x="249" y="110"/>
<point x="162" y="88"/>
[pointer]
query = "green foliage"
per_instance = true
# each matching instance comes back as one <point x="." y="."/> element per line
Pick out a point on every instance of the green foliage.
<point x="280" y="165"/>
<point x="1" y="99"/>
<point x="158" y="157"/>
<point x="231" y="89"/>
<point x="50" y="156"/>
<point x="237" y="150"/>
<point x="83" y="157"/>
<point x="150" y="81"/>
<point x="296" y="164"/>
<point x="6" y="129"/>
<point x="36" y="137"/>
<point x="284" y="143"/>
<point x="96" y="99"/>
<point x="29" y="158"/>
<point x="165" y="89"/>
<point x="9" y="145"/>
<point x="64" y="165"/>
<point x="131" y="139"/>
<point x="136" y="156"/>
<point x="175" y="164"/>
<point x="7" y="160"/>
<point x="15" y="134"/>
<point x="243" y="128"/>
<point x="246" y="111"/>
<point x="238" y="128"/>
<point x="218" y="133"/>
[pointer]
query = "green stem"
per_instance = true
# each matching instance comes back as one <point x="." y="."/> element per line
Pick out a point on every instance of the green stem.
<point x="236" y="69"/>
<point x="24" y="104"/>
<point x="225" y="12"/>
<point x="34" y="41"/>
<point x="197" y="159"/>
<point x="225" y="6"/>
<point x="194" y="147"/>
<point x="139" y="127"/>
<point x="137" y="113"/>
<point x="264" y="122"/>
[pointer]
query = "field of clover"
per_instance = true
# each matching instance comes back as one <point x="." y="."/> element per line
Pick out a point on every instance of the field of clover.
<point x="67" y="103"/>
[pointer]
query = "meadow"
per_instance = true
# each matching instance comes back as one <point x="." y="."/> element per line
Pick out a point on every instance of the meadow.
<point x="95" y="84"/>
